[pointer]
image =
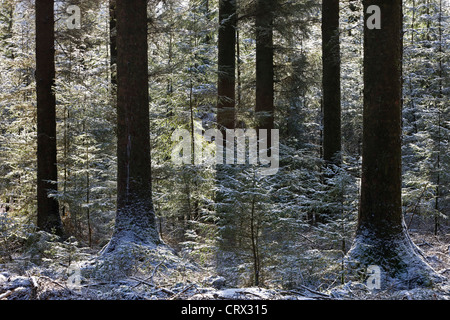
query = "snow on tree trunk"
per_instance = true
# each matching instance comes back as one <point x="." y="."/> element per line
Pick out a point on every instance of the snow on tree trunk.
<point x="382" y="238"/>
<point x="135" y="217"/>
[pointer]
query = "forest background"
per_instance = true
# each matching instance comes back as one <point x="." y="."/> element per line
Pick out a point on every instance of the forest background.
<point x="270" y="231"/>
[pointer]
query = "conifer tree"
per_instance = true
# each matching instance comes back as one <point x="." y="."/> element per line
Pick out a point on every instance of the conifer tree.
<point x="135" y="217"/>
<point x="381" y="237"/>
<point x="48" y="218"/>
<point x="264" y="64"/>
<point x="227" y="64"/>
<point x="331" y="81"/>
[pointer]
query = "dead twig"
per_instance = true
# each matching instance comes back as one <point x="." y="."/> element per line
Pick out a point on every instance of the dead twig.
<point x="323" y="295"/>
<point x="142" y="281"/>
<point x="168" y="291"/>
<point x="250" y="293"/>
<point x="55" y="282"/>
<point x="149" y="278"/>
<point x="181" y="292"/>
<point x="61" y="285"/>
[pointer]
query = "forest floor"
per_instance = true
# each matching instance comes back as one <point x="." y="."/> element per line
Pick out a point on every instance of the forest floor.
<point x="45" y="271"/>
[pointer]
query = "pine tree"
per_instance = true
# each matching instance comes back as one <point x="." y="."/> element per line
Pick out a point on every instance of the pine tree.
<point x="264" y="107"/>
<point x="227" y="64"/>
<point x="48" y="218"/>
<point x="425" y="134"/>
<point x="113" y="40"/>
<point x="331" y="81"/>
<point x="135" y="218"/>
<point x="381" y="237"/>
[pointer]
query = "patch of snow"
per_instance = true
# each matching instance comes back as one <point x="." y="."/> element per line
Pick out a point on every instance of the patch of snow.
<point x="401" y="262"/>
<point x="216" y="282"/>
<point x="252" y="293"/>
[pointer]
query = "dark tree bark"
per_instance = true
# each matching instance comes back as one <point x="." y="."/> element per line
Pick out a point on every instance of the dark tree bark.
<point x="331" y="91"/>
<point x="331" y="83"/>
<point x="226" y="65"/>
<point x="264" y="64"/>
<point x="48" y="218"/>
<point x="135" y="217"/>
<point x="113" y="41"/>
<point x="226" y="92"/>
<point x="381" y="237"/>
<point x="380" y="208"/>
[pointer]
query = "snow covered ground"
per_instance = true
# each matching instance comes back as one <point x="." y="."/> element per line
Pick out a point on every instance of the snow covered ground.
<point x="45" y="271"/>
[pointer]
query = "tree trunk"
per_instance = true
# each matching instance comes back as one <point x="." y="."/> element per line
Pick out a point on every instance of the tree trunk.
<point x="226" y="65"/>
<point x="226" y="85"/>
<point x="135" y="217"/>
<point x="331" y="81"/>
<point x="440" y="99"/>
<point x="380" y="208"/>
<point x="238" y="71"/>
<point x="381" y="237"/>
<point x="264" y="65"/>
<point x="48" y="218"/>
<point x="254" y="243"/>
<point x="113" y="41"/>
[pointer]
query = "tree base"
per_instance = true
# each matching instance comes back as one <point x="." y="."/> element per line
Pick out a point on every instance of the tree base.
<point x="129" y="248"/>
<point x="122" y="258"/>
<point x="122" y="239"/>
<point x="401" y="263"/>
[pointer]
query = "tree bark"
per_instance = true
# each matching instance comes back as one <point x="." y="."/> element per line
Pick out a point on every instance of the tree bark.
<point x="226" y="65"/>
<point x="113" y="41"/>
<point x="380" y="208"/>
<point x="135" y="217"/>
<point x="264" y="65"/>
<point x="48" y="218"/>
<point x="226" y="84"/>
<point x="381" y="237"/>
<point x="331" y="83"/>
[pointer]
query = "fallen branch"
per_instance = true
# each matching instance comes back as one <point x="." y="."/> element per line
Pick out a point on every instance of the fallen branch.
<point x="169" y="292"/>
<point x="6" y="294"/>
<point x="61" y="285"/>
<point x="142" y="281"/>
<point x="149" y="278"/>
<point x="315" y="292"/>
<point x="55" y="282"/>
<point x="250" y="293"/>
<point x="156" y="268"/>
<point x="181" y="292"/>
<point x="87" y="285"/>
<point x="294" y="292"/>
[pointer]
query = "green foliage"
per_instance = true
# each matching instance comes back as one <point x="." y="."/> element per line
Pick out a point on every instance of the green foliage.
<point x="285" y="230"/>
<point x="426" y="108"/>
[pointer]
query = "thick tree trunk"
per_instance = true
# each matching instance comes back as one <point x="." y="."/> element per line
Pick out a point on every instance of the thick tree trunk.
<point x="331" y="91"/>
<point x="381" y="237"/>
<point x="264" y="65"/>
<point x="113" y="41"/>
<point x="331" y="81"/>
<point x="380" y="208"/>
<point x="135" y="217"/>
<point x="227" y="64"/>
<point x="48" y="218"/>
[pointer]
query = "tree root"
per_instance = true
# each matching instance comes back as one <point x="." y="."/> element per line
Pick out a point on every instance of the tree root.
<point x="401" y="262"/>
